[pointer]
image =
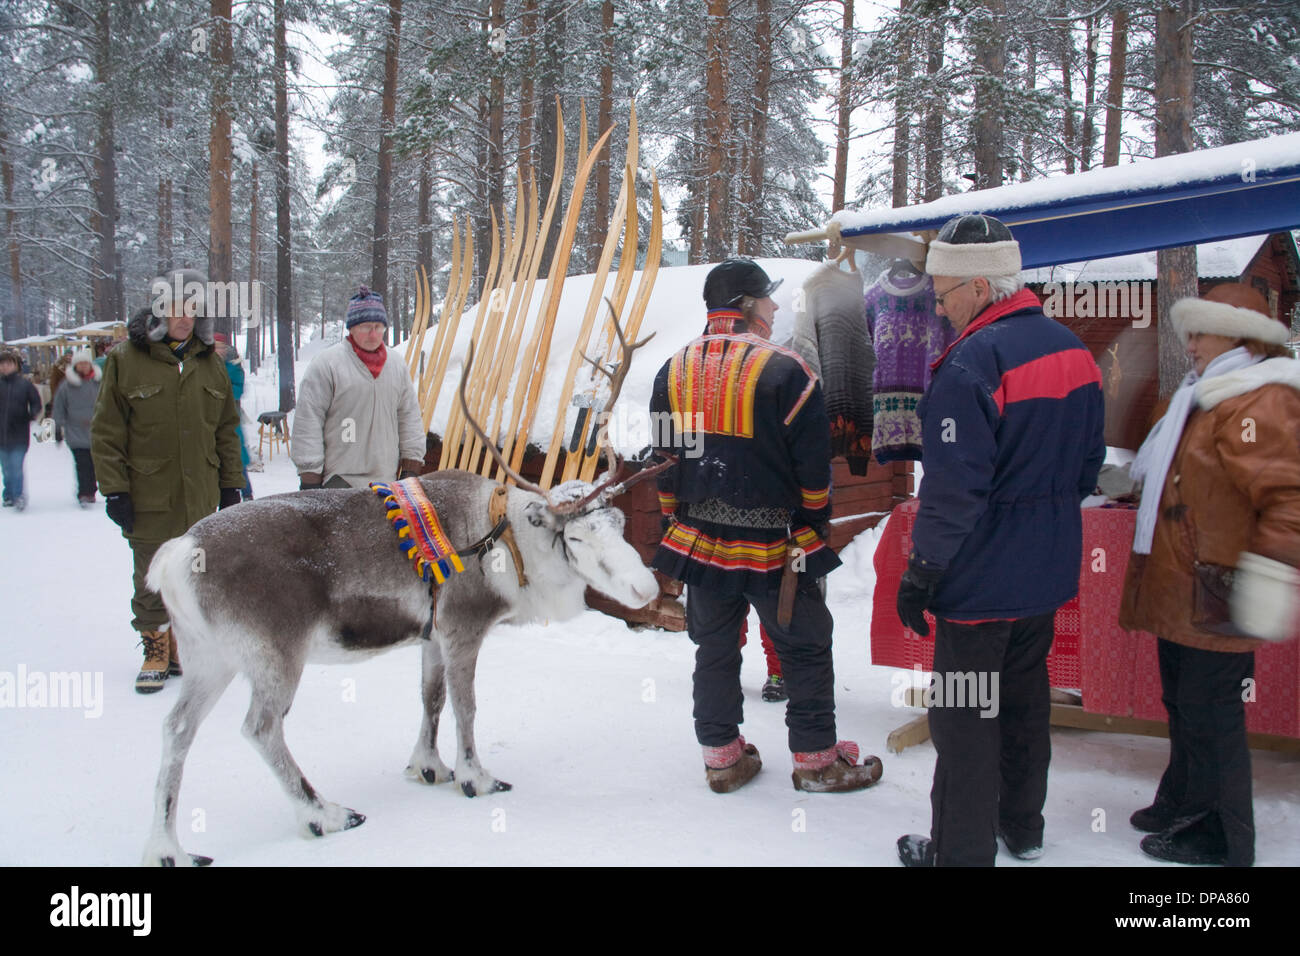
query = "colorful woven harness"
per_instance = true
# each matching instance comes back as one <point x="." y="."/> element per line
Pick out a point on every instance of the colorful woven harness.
<point x="419" y="532"/>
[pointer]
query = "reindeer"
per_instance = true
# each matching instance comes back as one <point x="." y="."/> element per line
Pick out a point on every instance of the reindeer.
<point x="318" y="576"/>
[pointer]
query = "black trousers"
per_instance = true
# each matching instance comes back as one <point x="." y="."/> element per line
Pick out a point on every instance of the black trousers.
<point x="989" y="721"/>
<point x="85" y="472"/>
<point x="713" y="620"/>
<point x="1208" y="776"/>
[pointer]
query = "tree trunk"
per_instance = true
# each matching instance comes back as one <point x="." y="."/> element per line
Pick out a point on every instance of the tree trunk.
<point x="1089" y="94"/>
<point x="384" y="175"/>
<point x="1115" y="88"/>
<point x="527" y="101"/>
<point x="1031" y="79"/>
<point x="934" y="109"/>
<point x="844" y="112"/>
<point x="756" y="169"/>
<point x="424" y="218"/>
<point x="1067" y="91"/>
<point x="250" y="333"/>
<point x="283" y="259"/>
<point x="166" y="118"/>
<point x="496" y="117"/>
<point x="1176" y="269"/>
<point x="902" y="107"/>
<point x="604" y="119"/>
<point x="220" y="264"/>
<point x="698" y="191"/>
<point x="552" y="77"/>
<point x="15" y="325"/>
<point x="990" y="63"/>
<point x="717" y="128"/>
<point x="107" y="295"/>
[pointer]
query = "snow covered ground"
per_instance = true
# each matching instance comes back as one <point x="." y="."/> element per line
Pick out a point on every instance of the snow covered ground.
<point x="588" y="719"/>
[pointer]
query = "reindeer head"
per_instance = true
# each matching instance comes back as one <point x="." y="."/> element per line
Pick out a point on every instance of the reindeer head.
<point x="587" y="526"/>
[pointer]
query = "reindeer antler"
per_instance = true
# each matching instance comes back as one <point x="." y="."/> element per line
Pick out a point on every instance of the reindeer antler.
<point x="563" y="508"/>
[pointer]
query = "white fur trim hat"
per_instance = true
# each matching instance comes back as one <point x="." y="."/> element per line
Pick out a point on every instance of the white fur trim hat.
<point x="974" y="245"/>
<point x="81" y="355"/>
<point x="1231" y="309"/>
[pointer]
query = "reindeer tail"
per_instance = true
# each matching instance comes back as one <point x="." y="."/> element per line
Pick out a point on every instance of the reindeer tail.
<point x="171" y="574"/>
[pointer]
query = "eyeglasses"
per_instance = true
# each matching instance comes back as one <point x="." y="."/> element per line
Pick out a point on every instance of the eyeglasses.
<point x="939" y="299"/>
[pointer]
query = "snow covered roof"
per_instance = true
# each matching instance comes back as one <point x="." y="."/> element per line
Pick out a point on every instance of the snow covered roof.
<point x="1228" y="258"/>
<point x="1241" y="190"/>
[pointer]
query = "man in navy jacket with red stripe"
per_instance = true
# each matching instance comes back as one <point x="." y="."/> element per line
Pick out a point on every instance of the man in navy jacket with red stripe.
<point x="1012" y="431"/>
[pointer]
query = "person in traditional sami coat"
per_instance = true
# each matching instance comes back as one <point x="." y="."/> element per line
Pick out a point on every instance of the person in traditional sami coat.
<point x="747" y="507"/>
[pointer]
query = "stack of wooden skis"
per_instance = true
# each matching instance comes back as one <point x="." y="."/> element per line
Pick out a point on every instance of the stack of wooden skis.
<point x="506" y="383"/>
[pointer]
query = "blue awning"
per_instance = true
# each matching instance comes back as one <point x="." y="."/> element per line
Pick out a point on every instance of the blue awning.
<point x="1245" y="189"/>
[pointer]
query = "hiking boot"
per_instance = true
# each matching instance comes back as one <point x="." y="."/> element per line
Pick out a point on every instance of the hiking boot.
<point x="835" y="770"/>
<point x="1021" y="851"/>
<point x="1156" y="818"/>
<point x="744" y="765"/>
<point x="173" y="655"/>
<point x="915" y="850"/>
<point x="774" y="689"/>
<point x="153" y="674"/>
<point x="20" y="503"/>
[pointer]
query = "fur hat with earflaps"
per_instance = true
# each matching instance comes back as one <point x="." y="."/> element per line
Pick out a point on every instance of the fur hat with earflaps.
<point x="973" y="245"/>
<point x="191" y="286"/>
<point x="1231" y="309"/>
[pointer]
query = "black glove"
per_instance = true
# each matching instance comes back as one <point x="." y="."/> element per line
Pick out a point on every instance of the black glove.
<point x="915" y="593"/>
<point x="229" y="496"/>
<point x="309" y="481"/>
<point x="120" y="510"/>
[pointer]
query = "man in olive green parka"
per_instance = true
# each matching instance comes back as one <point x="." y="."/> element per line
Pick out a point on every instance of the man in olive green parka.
<point x="165" y="444"/>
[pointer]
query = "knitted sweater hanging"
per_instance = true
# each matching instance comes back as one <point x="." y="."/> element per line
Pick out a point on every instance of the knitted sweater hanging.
<point x="908" y="335"/>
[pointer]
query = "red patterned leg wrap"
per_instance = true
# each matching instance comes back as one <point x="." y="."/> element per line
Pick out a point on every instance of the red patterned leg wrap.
<point x="720" y="758"/>
<point x="816" y="759"/>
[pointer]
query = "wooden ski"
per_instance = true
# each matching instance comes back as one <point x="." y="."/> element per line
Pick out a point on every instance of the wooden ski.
<point x="455" y="417"/>
<point x="640" y="304"/>
<point x="551" y="305"/>
<point x="626" y="198"/>
<point x="419" y="322"/>
<point x="452" y="307"/>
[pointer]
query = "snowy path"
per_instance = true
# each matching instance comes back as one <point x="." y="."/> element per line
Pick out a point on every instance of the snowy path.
<point x="589" y="720"/>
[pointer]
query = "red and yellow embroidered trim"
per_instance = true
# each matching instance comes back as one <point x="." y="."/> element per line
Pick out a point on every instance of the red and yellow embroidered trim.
<point x="713" y="382"/>
<point x="736" y="554"/>
<point x="419" y="532"/>
<point x="814" y="500"/>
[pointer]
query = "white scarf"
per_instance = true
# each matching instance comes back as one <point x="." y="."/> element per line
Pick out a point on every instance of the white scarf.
<point x="1157" y="453"/>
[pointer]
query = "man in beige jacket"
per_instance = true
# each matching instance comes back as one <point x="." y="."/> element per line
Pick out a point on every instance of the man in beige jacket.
<point x="357" y="418"/>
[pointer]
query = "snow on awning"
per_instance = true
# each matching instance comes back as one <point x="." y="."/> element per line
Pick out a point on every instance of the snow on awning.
<point x="1225" y="259"/>
<point x="1246" y="189"/>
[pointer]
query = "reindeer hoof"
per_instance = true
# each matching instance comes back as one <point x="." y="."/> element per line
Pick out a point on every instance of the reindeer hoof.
<point x="430" y="775"/>
<point x="354" y="819"/>
<point x="167" y="861"/>
<point x="315" y="829"/>
<point x="468" y="789"/>
<point x="501" y="785"/>
<point x="196" y="860"/>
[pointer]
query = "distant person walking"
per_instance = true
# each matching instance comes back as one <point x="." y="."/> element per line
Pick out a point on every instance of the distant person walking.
<point x="20" y="405"/>
<point x="74" y="407"/>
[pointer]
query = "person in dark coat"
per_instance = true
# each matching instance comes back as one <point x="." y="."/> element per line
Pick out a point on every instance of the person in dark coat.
<point x="1013" y="438"/>
<point x="74" y="407"/>
<point x="165" y="446"/>
<point x="747" y="507"/>
<point x="20" y="405"/>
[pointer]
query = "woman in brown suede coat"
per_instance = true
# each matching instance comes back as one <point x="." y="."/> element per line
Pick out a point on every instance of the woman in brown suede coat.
<point x="1213" y="571"/>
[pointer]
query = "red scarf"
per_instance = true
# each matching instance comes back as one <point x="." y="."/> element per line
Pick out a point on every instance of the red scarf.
<point x="371" y="360"/>
<point x="1024" y="299"/>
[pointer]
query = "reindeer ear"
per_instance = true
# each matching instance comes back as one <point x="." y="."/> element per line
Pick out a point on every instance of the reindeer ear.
<point x="539" y="516"/>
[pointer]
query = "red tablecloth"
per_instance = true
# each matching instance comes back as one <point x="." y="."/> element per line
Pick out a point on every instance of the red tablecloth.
<point x="1115" y="670"/>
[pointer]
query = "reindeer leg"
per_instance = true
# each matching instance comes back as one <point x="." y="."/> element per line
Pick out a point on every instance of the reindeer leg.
<point x="460" y="648"/>
<point x="425" y="763"/>
<point x="273" y="690"/>
<point x="201" y="689"/>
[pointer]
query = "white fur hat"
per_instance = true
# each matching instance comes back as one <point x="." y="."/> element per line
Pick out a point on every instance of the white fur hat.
<point x="973" y="245"/>
<point x="81" y="355"/>
<point x="1231" y="309"/>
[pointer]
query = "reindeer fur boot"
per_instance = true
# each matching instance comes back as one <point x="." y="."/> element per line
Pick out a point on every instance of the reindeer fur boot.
<point x="157" y="662"/>
<point x="732" y="766"/>
<point x="835" y="770"/>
